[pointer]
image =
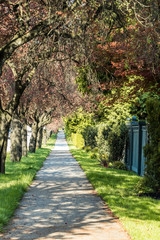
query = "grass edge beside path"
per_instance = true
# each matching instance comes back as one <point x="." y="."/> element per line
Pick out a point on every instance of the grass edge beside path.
<point x="140" y="216"/>
<point x="19" y="175"/>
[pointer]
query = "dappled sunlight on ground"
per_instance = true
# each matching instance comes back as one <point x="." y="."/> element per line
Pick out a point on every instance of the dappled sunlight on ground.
<point x="61" y="204"/>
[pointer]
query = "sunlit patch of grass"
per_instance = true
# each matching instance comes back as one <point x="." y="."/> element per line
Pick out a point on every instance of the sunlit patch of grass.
<point x="139" y="215"/>
<point x="18" y="177"/>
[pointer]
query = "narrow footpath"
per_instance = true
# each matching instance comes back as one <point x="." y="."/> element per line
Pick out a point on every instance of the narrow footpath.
<point x="61" y="204"/>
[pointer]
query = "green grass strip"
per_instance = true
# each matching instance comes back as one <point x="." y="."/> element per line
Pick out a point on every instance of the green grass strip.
<point x="18" y="177"/>
<point x="139" y="215"/>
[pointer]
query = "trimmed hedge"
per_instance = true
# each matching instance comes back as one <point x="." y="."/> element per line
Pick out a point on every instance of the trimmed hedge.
<point x="78" y="140"/>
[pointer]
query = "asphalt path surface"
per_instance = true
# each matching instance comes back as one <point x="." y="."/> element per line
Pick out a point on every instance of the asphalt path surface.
<point x="62" y="204"/>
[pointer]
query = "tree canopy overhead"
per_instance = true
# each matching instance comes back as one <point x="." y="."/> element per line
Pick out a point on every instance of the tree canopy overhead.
<point x="106" y="40"/>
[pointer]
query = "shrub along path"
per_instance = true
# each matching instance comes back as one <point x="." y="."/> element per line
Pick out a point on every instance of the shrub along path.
<point x="61" y="204"/>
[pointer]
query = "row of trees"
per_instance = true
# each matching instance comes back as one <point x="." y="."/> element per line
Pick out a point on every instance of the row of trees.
<point x="35" y="84"/>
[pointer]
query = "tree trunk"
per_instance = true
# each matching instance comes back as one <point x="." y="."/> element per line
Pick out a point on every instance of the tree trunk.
<point x="5" y="120"/>
<point x="40" y="137"/>
<point x="16" y="139"/>
<point x="44" y="136"/>
<point x="24" y="140"/>
<point x="33" y="140"/>
<point x="48" y="134"/>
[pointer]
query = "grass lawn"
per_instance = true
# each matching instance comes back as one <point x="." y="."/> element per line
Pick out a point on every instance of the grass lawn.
<point x="139" y="215"/>
<point x="18" y="177"/>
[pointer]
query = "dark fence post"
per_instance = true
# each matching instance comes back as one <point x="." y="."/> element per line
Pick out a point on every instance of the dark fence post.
<point x="129" y="145"/>
<point x="144" y="142"/>
<point x="140" y="148"/>
<point x="135" y="146"/>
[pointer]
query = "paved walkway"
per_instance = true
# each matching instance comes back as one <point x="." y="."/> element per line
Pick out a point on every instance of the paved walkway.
<point x="61" y="204"/>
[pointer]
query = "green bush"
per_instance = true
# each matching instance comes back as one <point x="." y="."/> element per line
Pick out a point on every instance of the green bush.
<point x="77" y="140"/>
<point x="89" y="135"/>
<point x="102" y="137"/>
<point x="139" y="107"/>
<point x="118" y="165"/>
<point x="77" y="122"/>
<point x="95" y="150"/>
<point x="152" y="149"/>
<point x="111" y="141"/>
<point x="142" y="187"/>
<point x="103" y="159"/>
<point x="94" y="155"/>
<point x="87" y="149"/>
<point x="116" y="141"/>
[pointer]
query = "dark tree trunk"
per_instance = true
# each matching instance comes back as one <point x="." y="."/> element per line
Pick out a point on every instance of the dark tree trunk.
<point x="24" y="140"/>
<point x="50" y="134"/>
<point x="40" y="137"/>
<point x="5" y="120"/>
<point x="33" y="140"/>
<point x="16" y="139"/>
